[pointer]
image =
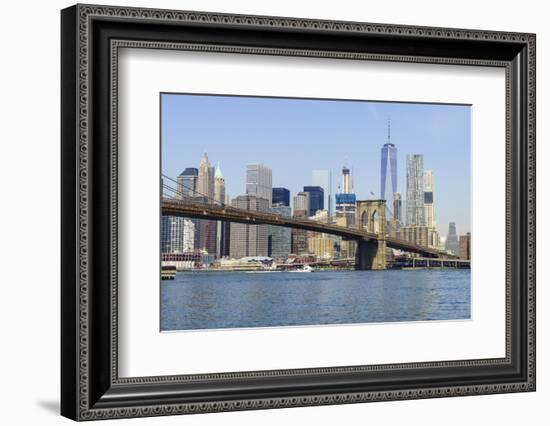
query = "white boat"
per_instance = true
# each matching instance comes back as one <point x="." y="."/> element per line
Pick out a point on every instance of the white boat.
<point x="305" y="268"/>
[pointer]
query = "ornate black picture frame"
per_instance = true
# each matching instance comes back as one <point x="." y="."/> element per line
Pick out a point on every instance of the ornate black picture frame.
<point x="91" y="387"/>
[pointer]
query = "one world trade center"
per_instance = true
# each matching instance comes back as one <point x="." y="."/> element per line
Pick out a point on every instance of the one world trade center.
<point x="388" y="171"/>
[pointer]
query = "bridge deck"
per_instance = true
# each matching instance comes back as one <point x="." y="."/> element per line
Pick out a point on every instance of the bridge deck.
<point x="199" y="210"/>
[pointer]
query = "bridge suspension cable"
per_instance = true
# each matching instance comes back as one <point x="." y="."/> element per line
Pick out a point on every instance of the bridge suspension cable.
<point x="208" y="229"/>
<point x="182" y="195"/>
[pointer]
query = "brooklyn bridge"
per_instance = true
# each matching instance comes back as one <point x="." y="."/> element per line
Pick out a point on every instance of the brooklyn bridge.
<point x="369" y="231"/>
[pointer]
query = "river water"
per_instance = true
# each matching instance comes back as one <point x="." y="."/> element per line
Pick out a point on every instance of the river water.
<point x="209" y="300"/>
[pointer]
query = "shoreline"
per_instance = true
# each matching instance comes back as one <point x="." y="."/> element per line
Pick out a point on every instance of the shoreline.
<point x="262" y="271"/>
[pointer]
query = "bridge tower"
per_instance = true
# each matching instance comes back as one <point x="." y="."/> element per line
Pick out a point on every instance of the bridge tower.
<point x="371" y="217"/>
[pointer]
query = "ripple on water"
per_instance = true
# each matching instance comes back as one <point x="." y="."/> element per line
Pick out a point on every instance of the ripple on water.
<point x="209" y="300"/>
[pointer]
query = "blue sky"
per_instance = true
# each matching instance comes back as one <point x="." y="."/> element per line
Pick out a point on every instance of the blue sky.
<point x="295" y="136"/>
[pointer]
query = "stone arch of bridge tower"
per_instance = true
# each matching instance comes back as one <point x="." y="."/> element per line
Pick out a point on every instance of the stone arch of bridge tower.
<point x="372" y="216"/>
<point x="364" y="220"/>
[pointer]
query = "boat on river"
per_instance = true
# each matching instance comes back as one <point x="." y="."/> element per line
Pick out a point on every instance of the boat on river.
<point x="305" y="268"/>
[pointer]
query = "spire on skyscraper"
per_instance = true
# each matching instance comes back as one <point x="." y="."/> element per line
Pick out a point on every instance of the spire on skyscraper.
<point x="218" y="174"/>
<point x="388" y="168"/>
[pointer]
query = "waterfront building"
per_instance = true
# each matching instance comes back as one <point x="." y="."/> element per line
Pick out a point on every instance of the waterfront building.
<point x="205" y="232"/>
<point x="188" y="243"/>
<point x="429" y="209"/>
<point x="280" y="237"/>
<point x="465" y="244"/>
<point x="388" y="169"/>
<point x="316" y="198"/>
<point x="415" y="190"/>
<point x="280" y="196"/>
<point x="242" y="264"/>
<point x="165" y="233"/>
<point x="299" y="236"/>
<point x="301" y="204"/>
<point x="323" y="178"/>
<point x="182" y="235"/>
<point x="187" y="182"/>
<point x="182" y="261"/>
<point x="249" y="240"/>
<point x="347" y="247"/>
<point x="224" y="249"/>
<point x="300" y="210"/>
<point x="177" y="234"/>
<point x="347" y="184"/>
<point x="433" y="237"/>
<point x="322" y="246"/>
<point x="259" y="181"/>
<point x="418" y="234"/>
<point x="397" y="207"/>
<point x="451" y="243"/>
<point x="187" y="187"/>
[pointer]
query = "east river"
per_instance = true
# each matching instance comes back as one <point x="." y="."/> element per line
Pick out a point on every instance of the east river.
<point x="209" y="300"/>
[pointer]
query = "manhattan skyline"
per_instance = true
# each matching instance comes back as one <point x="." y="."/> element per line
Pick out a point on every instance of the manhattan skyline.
<point x="295" y="136"/>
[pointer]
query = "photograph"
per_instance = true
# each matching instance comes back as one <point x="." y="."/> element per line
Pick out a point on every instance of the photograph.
<point x="279" y="211"/>
<point x="265" y="209"/>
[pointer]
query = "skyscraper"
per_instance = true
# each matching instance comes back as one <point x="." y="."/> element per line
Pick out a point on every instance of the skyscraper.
<point x="316" y="198"/>
<point x="451" y="243"/>
<point x="397" y="207"/>
<point x="415" y="190"/>
<point x="182" y="235"/>
<point x="249" y="240"/>
<point x="258" y="185"/>
<point x="280" y="236"/>
<point x="465" y="244"/>
<point x="301" y="203"/>
<point x="323" y="178"/>
<point x="345" y="207"/>
<point x="280" y="196"/>
<point x="258" y="181"/>
<point x="205" y="190"/>
<point x="219" y="186"/>
<point x="187" y="187"/>
<point x="165" y="233"/>
<point x="300" y="210"/>
<point x="347" y="185"/>
<point x="205" y="180"/>
<point x="222" y="228"/>
<point x="429" y="209"/>
<point x="187" y="182"/>
<point x="188" y="236"/>
<point x="388" y="170"/>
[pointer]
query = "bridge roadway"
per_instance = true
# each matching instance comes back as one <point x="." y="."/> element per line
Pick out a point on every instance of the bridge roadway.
<point x="199" y="210"/>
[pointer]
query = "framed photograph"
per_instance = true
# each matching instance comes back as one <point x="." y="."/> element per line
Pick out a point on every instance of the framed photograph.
<point x="264" y="212"/>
